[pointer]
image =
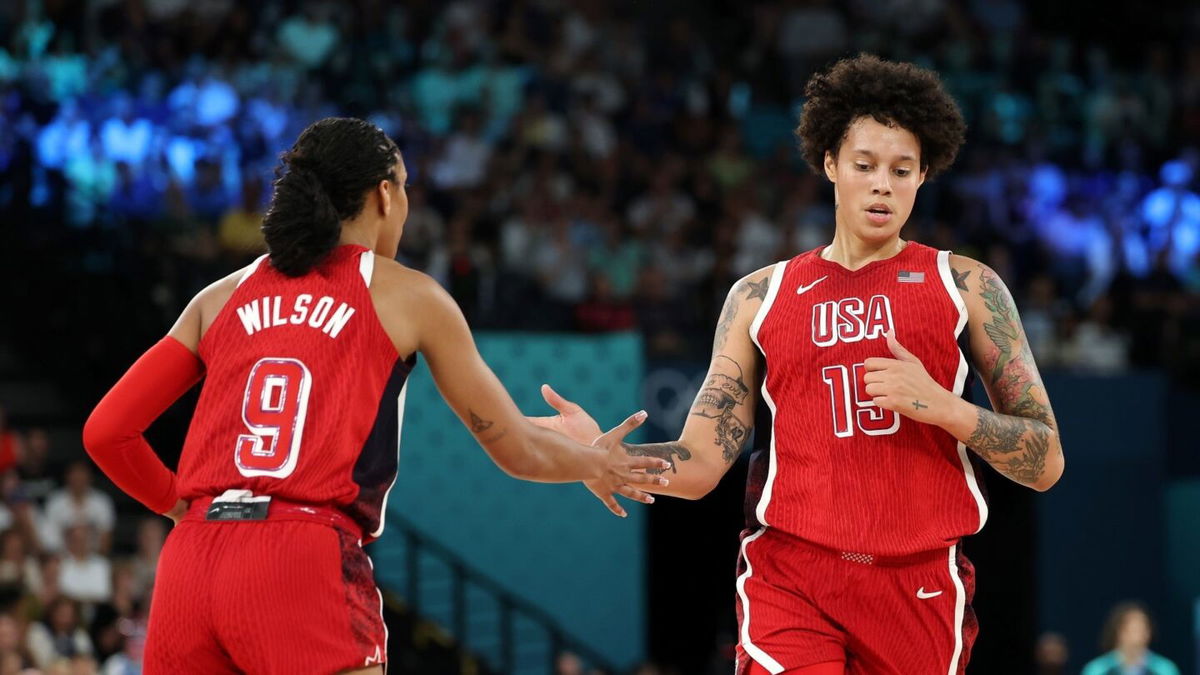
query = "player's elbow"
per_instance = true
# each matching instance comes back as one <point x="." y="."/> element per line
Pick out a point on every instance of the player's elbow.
<point x="99" y="434"/>
<point x="1053" y="472"/>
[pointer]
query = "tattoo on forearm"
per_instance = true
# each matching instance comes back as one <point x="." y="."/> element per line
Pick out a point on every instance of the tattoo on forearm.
<point x="757" y="289"/>
<point x="478" y="424"/>
<point x="668" y="451"/>
<point x="960" y="278"/>
<point x="718" y="400"/>
<point x="1016" y="446"/>
<point x="918" y="405"/>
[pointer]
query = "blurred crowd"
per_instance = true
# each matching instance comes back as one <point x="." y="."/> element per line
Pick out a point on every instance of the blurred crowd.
<point x="603" y="166"/>
<point x="74" y="591"/>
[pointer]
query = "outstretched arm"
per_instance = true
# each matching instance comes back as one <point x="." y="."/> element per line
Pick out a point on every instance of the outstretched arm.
<point x="521" y="449"/>
<point x="722" y="415"/>
<point x="1020" y="438"/>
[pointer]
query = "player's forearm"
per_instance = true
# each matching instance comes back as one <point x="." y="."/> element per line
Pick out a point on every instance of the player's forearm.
<point x="544" y="456"/>
<point x="1024" y="449"/>
<point x="691" y="477"/>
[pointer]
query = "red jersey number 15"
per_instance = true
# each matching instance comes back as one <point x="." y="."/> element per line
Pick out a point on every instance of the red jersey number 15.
<point x="851" y="405"/>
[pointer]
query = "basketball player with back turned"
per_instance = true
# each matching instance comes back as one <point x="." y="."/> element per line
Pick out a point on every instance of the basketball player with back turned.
<point x="856" y="357"/>
<point x="292" y="448"/>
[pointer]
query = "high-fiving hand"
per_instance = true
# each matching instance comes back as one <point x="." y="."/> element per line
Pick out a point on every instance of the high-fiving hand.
<point x="623" y="470"/>
<point x="902" y="384"/>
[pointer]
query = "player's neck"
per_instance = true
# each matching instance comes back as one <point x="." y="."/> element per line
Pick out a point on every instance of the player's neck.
<point x="356" y="233"/>
<point x="853" y="253"/>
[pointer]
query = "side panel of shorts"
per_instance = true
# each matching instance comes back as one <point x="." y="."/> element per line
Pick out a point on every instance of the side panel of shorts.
<point x="781" y="595"/>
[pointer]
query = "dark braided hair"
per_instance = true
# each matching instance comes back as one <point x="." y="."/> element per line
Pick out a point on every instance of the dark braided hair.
<point x="895" y="94"/>
<point x="320" y="182"/>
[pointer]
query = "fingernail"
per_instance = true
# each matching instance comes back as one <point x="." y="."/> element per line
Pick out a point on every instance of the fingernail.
<point x="664" y="482"/>
<point x="641" y="415"/>
<point x="650" y="500"/>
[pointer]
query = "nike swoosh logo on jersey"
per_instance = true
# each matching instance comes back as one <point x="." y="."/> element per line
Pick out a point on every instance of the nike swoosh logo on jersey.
<point x="925" y="596"/>
<point x="805" y="288"/>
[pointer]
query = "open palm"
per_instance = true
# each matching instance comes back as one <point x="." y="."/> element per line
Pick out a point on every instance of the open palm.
<point x="571" y="421"/>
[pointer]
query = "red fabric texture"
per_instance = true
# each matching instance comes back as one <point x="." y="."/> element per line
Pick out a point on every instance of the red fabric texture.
<point x="272" y="597"/>
<point x="113" y="433"/>
<point x="799" y="605"/>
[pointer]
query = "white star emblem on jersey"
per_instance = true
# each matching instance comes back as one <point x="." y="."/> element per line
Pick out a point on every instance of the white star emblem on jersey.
<point x="804" y="288"/>
<point x="925" y="596"/>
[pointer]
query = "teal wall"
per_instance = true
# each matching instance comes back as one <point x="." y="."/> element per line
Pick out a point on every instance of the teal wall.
<point x="555" y="546"/>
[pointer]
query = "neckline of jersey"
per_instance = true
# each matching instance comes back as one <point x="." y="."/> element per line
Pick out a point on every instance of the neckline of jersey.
<point x="873" y="265"/>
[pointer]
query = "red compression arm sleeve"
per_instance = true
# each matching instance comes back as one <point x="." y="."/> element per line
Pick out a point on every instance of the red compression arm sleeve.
<point x="113" y="433"/>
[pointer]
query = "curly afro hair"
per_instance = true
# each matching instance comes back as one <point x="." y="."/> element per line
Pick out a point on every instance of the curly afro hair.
<point x="896" y="94"/>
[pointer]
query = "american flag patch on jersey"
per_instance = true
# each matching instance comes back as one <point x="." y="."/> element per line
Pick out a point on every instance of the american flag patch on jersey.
<point x="906" y="277"/>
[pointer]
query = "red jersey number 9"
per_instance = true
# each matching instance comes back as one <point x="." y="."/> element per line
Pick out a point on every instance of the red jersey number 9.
<point x="273" y="410"/>
<point x="855" y="405"/>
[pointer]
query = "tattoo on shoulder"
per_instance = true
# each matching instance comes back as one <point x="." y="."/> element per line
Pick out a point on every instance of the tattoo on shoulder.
<point x="960" y="278"/>
<point x="669" y="451"/>
<point x="757" y="289"/>
<point x="478" y="424"/>
<point x="718" y="399"/>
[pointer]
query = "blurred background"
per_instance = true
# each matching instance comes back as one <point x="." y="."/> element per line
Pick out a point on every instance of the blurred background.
<point x="587" y="179"/>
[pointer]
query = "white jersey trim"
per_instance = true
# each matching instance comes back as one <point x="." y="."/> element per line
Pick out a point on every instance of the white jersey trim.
<point x="960" y="379"/>
<point x="755" y="653"/>
<point x="251" y="269"/>
<point x="772" y="292"/>
<point x="399" y="432"/>
<point x="366" y="266"/>
<point x="960" y="609"/>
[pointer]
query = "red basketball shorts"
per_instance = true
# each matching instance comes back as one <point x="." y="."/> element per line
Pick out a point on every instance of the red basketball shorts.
<point x="290" y="594"/>
<point x="799" y="604"/>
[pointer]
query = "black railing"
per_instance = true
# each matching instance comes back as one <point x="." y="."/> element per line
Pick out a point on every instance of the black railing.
<point x="468" y="622"/>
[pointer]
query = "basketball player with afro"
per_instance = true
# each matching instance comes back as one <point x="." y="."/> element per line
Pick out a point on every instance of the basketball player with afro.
<point x="852" y="363"/>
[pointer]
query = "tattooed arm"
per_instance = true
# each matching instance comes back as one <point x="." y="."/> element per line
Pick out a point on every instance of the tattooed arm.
<point x="722" y="415"/>
<point x="1020" y="439"/>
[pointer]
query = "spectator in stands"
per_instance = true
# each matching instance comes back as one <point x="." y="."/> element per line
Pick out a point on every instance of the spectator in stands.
<point x="34" y="467"/>
<point x="86" y="575"/>
<point x="12" y="646"/>
<point x="59" y="635"/>
<point x="240" y="231"/>
<point x="18" y="569"/>
<point x="78" y="504"/>
<point x="1126" y="638"/>
<point x="1096" y="345"/>
<point x="1050" y="656"/>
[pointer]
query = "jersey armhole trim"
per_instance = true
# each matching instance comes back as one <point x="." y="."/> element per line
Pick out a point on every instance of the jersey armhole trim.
<point x="366" y="266"/>
<point x="251" y="269"/>
<point x="772" y="291"/>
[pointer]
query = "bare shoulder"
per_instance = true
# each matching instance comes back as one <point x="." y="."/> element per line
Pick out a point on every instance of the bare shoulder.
<point x="743" y="302"/>
<point x="981" y="288"/>
<point x="205" y="306"/>
<point x="410" y="304"/>
<point x="398" y="283"/>
<point x="754" y="286"/>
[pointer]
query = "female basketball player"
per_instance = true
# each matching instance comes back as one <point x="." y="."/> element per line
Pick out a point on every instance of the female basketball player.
<point x="292" y="448"/>
<point x="860" y="486"/>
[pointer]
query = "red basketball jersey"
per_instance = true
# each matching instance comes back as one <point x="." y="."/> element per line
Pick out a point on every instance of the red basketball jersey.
<point x="303" y="396"/>
<point x="829" y="466"/>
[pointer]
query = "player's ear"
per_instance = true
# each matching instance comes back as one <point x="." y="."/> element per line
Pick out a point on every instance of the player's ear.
<point x="384" y="192"/>
<point x="921" y="178"/>
<point x="830" y="167"/>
